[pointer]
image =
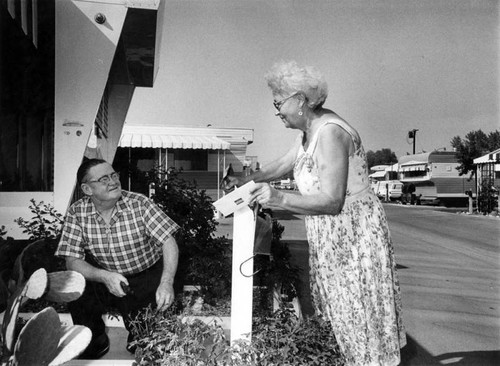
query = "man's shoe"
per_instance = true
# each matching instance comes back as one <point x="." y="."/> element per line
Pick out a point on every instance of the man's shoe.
<point x="97" y="348"/>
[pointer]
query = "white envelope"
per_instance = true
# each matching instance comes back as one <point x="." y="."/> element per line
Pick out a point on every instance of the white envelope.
<point x="234" y="200"/>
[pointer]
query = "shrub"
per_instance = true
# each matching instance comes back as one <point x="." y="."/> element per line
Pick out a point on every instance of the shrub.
<point x="283" y="339"/>
<point x="165" y="338"/>
<point x="204" y="259"/>
<point x="46" y="224"/>
<point x="21" y="258"/>
<point x="487" y="199"/>
<point x="279" y="273"/>
<point x="279" y="339"/>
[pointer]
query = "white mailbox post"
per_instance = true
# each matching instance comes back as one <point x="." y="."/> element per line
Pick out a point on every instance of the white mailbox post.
<point x="236" y="203"/>
<point x="242" y="287"/>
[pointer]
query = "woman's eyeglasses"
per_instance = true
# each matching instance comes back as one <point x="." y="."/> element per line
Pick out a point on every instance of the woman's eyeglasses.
<point x="105" y="179"/>
<point x="279" y="104"/>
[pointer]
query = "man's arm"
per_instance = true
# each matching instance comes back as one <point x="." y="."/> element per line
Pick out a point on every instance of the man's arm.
<point x="165" y="292"/>
<point x="112" y="280"/>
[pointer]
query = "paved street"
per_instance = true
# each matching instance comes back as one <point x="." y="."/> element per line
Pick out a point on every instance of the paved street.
<point x="449" y="273"/>
<point x="450" y="282"/>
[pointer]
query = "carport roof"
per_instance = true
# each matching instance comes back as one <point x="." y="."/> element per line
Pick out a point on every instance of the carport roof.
<point x="179" y="137"/>
<point x="378" y="174"/>
<point x="491" y="157"/>
<point x="146" y="140"/>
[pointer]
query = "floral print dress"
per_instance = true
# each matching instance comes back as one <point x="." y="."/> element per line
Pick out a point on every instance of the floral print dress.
<point x="352" y="268"/>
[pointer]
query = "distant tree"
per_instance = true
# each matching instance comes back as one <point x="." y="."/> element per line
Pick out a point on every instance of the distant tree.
<point x="381" y="157"/>
<point x="475" y="144"/>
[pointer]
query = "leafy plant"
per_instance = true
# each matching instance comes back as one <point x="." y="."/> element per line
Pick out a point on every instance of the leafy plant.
<point x="283" y="339"/>
<point x="46" y="224"/>
<point x="21" y="258"/>
<point x="488" y="197"/>
<point x="279" y="339"/>
<point x="165" y="338"/>
<point x="204" y="259"/>
<point x="281" y="274"/>
<point x="8" y="253"/>
<point x="43" y="340"/>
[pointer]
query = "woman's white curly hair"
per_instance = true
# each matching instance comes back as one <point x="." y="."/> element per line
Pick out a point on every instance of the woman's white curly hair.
<point x="287" y="77"/>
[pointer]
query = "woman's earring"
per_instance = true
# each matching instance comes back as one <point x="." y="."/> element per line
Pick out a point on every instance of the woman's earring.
<point x="300" y="112"/>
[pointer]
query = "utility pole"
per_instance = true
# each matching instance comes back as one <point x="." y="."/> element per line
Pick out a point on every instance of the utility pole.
<point x="413" y="135"/>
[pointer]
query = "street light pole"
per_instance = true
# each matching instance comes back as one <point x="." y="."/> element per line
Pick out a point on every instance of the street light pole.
<point x="413" y="135"/>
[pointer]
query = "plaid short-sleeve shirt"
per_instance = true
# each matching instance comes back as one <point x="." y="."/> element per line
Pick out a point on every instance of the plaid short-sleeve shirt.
<point x="131" y="243"/>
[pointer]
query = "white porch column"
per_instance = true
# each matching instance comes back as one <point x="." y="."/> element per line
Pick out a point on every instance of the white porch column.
<point x="84" y="52"/>
<point x="218" y="174"/>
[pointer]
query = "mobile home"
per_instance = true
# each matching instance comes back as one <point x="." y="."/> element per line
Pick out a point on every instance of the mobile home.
<point x="435" y="177"/>
<point x="200" y="153"/>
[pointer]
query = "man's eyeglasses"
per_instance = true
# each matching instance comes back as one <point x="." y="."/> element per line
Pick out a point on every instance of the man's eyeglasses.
<point x="279" y="104"/>
<point x="105" y="179"/>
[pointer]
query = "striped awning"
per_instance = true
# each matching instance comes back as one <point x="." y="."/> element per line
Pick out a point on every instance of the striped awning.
<point x="145" y="140"/>
<point x="413" y="168"/>
<point x="379" y="174"/>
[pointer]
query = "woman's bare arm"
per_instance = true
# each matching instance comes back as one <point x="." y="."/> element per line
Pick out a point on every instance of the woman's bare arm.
<point x="271" y="171"/>
<point x="332" y="159"/>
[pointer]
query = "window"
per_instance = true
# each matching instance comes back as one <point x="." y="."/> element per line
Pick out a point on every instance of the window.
<point x="191" y="159"/>
<point x="27" y="104"/>
<point x="414" y="174"/>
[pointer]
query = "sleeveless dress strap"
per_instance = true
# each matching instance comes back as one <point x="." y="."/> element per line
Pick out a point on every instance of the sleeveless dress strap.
<point x="354" y="136"/>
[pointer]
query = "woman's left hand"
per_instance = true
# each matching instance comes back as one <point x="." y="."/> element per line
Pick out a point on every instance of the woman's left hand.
<point x="266" y="196"/>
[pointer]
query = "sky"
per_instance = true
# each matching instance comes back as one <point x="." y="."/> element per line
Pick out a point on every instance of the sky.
<point x="391" y="66"/>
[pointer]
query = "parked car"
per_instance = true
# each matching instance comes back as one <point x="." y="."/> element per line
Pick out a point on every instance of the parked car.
<point x="395" y="189"/>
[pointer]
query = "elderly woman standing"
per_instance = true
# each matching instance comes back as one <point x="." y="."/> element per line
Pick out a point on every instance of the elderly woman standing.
<point x="352" y="266"/>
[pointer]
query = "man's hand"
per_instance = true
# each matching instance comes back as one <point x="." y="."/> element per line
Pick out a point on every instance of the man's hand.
<point x="165" y="295"/>
<point x="113" y="282"/>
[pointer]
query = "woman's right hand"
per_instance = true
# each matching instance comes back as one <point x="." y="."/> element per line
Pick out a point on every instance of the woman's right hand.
<point x="229" y="182"/>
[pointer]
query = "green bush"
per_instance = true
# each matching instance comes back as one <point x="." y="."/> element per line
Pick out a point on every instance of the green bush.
<point x="279" y="273"/>
<point x="487" y="200"/>
<point x="45" y="224"/>
<point x="19" y="259"/>
<point x="204" y="260"/>
<point x="283" y="339"/>
<point x="163" y="338"/>
<point x="280" y="339"/>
